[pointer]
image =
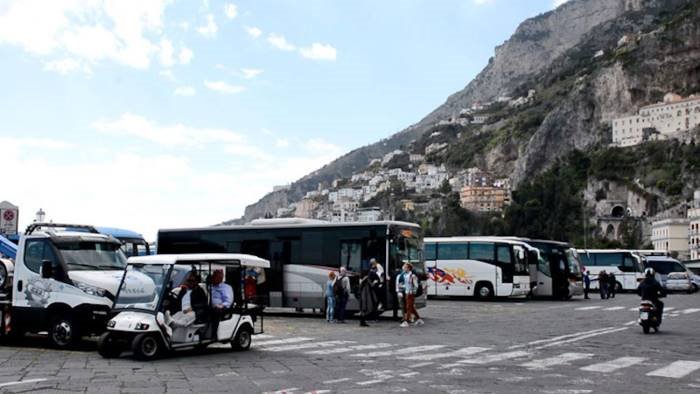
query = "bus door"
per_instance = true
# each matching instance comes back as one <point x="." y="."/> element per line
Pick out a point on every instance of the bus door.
<point x="452" y="272"/>
<point x="504" y="260"/>
<point x="430" y="252"/>
<point x="543" y="275"/>
<point x="558" y="268"/>
<point x="262" y="249"/>
<point x="629" y="268"/>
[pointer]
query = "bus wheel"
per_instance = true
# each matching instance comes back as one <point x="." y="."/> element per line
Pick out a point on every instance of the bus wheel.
<point x="107" y="347"/>
<point x="618" y="287"/>
<point x="63" y="332"/>
<point x="146" y="347"/>
<point x="483" y="291"/>
<point x="243" y="338"/>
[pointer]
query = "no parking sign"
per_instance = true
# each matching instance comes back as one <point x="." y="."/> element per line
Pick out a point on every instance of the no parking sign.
<point x="8" y="218"/>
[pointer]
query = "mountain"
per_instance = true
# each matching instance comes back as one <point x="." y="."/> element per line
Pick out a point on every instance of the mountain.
<point x="587" y="62"/>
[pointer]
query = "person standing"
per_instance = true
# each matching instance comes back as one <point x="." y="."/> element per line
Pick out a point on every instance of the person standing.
<point x="586" y="284"/>
<point x="330" y="298"/>
<point x="378" y="270"/>
<point x="343" y="293"/>
<point x="612" y="284"/>
<point x="407" y="292"/>
<point x="368" y="300"/>
<point x="603" y="284"/>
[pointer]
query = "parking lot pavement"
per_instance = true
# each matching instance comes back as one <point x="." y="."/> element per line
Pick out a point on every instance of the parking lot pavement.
<point x="579" y="346"/>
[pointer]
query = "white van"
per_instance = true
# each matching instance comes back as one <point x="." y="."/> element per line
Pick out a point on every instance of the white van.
<point x="64" y="282"/>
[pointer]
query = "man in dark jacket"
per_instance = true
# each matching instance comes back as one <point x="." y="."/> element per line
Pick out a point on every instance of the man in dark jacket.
<point x="651" y="290"/>
<point x="612" y="284"/>
<point x="586" y="284"/>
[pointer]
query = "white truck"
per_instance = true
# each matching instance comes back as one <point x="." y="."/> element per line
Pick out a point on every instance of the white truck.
<point x="63" y="281"/>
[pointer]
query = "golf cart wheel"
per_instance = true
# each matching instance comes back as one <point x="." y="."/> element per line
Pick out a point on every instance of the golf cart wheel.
<point x="645" y="328"/>
<point x="243" y="338"/>
<point x="107" y="347"/>
<point x="146" y="347"/>
<point x="63" y="332"/>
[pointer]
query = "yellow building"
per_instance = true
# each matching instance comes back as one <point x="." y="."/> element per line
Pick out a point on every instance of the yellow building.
<point x="484" y="198"/>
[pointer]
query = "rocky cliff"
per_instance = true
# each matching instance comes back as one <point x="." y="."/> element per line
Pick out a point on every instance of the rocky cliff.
<point x="583" y="76"/>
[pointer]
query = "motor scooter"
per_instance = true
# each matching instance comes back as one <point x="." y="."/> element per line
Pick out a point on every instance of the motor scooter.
<point x="648" y="316"/>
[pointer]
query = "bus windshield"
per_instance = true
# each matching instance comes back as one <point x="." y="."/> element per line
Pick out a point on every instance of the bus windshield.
<point x="92" y="256"/>
<point x="573" y="262"/>
<point x="409" y="252"/>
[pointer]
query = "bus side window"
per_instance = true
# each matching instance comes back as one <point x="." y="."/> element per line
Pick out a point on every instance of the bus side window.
<point x="351" y="255"/>
<point x="503" y="254"/>
<point x="628" y="264"/>
<point x="482" y="251"/>
<point x="430" y="252"/>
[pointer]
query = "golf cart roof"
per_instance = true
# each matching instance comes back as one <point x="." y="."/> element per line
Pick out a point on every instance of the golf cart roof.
<point x="218" y="258"/>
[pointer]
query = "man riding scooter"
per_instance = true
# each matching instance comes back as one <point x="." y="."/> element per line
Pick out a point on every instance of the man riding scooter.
<point x="651" y="290"/>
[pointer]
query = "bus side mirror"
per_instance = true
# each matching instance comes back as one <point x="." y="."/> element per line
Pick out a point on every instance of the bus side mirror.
<point x="46" y="269"/>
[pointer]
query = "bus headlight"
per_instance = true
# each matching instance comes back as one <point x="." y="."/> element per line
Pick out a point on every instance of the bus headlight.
<point x="91" y="290"/>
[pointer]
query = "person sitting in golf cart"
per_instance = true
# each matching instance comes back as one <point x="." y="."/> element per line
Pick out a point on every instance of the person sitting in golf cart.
<point x="221" y="298"/>
<point x="192" y="301"/>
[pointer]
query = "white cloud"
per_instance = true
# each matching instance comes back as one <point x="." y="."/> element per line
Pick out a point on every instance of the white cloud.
<point x="482" y="2"/>
<point x="557" y="3"/>
<point x="185" y="55"/>
<point x="282" y="143"/>
<point x="175" y="135"/>
<point x="89" y="31"/>
<point x="67" y="66"/>
<point x="185" y="26"/>
<point x="166" y="53"/>
<point x="167" y="74"/>
<point x="319" y="51"/>
<point x="185" y="91"/>
<point x="279" y="42"/>
<point x="210" y="29"/>
<point x="230" y="10"/>
<point x="223" y="87"/>
<point x="250" y="73"/>
<point x="253" y="32"/>
<point x="13" y="144"/>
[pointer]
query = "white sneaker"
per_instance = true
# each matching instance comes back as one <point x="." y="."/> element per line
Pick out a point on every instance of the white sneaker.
<point x="404" y="324"/>
<point x="419" y="322"/>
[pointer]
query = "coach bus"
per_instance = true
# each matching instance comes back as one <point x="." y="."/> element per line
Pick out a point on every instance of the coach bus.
<point x="627" y="265"/>
<point x="483" y="267"/>
<point x="302" y="253"/>
<point x="558" y="274"/>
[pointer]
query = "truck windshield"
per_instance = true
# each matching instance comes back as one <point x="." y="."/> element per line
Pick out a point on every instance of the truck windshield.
<point x="92" y="256"/>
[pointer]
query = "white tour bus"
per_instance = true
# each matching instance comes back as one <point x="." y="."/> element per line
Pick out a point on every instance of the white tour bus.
<point x="484" y="267"/>
<point x="627" y="265"/>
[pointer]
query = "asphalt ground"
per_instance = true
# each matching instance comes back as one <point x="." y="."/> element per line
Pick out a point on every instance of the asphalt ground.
<point x="505" y="346"/>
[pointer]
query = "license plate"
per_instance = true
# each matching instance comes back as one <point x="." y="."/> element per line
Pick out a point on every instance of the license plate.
<point x="644" y="315"/>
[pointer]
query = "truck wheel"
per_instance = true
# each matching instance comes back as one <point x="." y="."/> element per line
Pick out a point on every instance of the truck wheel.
<point x="107" y="347"/>
<point x="243" y="338"/>
<point x="63" y="332"/>
<point x="146" y="347"/>
<point x="483" y="291"/>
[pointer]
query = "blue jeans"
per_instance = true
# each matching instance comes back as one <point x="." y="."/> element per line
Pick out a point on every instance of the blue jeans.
<point x="330" y="308"/>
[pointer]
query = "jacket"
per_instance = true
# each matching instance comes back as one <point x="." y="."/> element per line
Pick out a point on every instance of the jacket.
<point x="368" y="299"/>
<point x="651" y="290"/>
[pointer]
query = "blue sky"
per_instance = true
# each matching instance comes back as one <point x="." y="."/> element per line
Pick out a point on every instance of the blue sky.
<point x="149" y="114"/>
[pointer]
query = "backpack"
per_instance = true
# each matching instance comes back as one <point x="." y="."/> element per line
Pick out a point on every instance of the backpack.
<point x="338" y="287"/>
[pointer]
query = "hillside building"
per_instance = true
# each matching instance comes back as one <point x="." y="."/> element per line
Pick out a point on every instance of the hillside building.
<point x="671" y="235"/>
<point x="694" y="227"/>
<point x="484" y="199"/>
<point x="663" y="120"/>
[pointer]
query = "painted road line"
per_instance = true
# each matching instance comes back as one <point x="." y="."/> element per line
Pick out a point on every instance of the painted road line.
<point x="282" y="341"/>
<point x="373" y="381"/>
<point x="27" y="381"/>
<point x="318" y="392"/>
<point x="559" y="338"/>
<point x="587" y="308"/>
<point x="669" y="309"/>
<point x="634" y="309"/>
<point x="409" y="374"/>
<point x="631" y="323"/>
<point x="614" y="365"/>
<point x="581" y="338"/>
<point x="467" y="351"/>
<point x="676" y="369"/>
<point x="691" y="310"/>
<point x="561" y="359"/>
<point x="336" y="381"/>
<point x="614" y="308"/>
<point x="494" y="358"/>
<point x="400" y="352"/>
<point x="421" y="365"/>
<point x="263" y="336"/>
<point x="308" y="345"/>
<point x="351" y="349"/>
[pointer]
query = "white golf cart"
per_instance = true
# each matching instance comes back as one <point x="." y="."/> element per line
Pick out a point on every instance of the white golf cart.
<point x="152" y="324"/>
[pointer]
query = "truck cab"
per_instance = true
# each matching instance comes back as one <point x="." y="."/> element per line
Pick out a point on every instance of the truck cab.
<point x="64" y="282"/>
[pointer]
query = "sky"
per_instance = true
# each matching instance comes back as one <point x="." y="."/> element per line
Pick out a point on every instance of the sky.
<point x="148" y="114"/>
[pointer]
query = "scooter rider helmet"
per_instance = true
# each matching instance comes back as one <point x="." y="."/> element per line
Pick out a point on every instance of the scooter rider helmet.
<point x="649" y="272"/>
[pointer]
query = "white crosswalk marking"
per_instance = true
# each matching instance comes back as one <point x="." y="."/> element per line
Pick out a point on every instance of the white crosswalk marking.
<point x="614" y="308"/>
<point x="301" y="346"/>
<point x="690" y="310"/>
<point x="559" y="338"/>
<point x="282" y="341"/>
<point x="588" y="308"/>
<point x="467" y="351"/>
<point x="263" y="336"/>
<point x="635" y="309"/>
<point x="557" y="360"/>
<point x="400" y="352"/>
<point x="676" y="369"/>
<point x="338" y="350"/>
<point x="669" y="309"/>
<point x="614" y="365"/>
<point x="493" y="358"/>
